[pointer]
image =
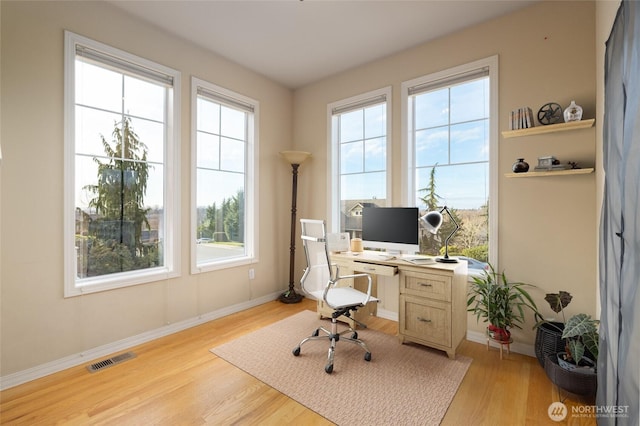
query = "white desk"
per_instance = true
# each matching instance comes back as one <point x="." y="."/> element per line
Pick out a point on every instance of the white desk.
<point x="433" y="306"/>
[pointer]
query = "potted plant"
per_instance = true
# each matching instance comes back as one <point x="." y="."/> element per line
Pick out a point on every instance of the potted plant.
<point x="499" y="302"/>
<point x="573" y="339"/>
<point x="581" y="334"/>
<point x="549" y="332"/>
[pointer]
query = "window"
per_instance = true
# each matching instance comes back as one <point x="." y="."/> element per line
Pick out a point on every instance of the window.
<point x="224" y="178"/>
<point x="359" y="153"/>
<point x="451" y="142"/>
<point x="121" y="175"/>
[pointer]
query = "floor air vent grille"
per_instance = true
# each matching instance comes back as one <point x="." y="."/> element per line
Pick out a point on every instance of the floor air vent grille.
<point x="109" y="362"/>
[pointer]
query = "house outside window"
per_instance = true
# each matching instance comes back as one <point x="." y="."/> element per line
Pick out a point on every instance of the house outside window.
<point x="360" y="158"/>
<point x="224" y="201"/>
<point x="451" y="141"/>
<point x="121" y="121"/>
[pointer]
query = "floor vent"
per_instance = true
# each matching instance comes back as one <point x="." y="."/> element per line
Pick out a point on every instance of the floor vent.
<point x="109" y="362"/>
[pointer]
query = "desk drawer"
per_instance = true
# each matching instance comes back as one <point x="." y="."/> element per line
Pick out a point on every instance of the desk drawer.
<point x="372" y="268"/>
<point x="421" y="284"/>
<point x="429" y="321"/>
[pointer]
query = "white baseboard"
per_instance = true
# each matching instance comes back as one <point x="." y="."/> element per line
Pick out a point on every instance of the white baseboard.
<point x="521" y="348"/>
<point x="386" y="314"/>
<point x="39" y="371"/>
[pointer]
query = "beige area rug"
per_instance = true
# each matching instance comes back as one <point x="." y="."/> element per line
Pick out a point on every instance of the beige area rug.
<point x="401" y="385"/>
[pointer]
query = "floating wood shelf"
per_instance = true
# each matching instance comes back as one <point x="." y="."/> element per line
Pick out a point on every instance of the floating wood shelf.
<point x="550" y="173"/>
<point x="551" y="128"/>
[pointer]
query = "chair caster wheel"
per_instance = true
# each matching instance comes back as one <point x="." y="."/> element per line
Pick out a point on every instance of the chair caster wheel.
<point x="315" y="333"/>
<point x="329" y="369"/>
<point x="367" y="356"/>
<point x="296" y="351"/>
<point x="354" y="335"/>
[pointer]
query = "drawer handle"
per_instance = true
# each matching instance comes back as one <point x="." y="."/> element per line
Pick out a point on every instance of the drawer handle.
<point x="423" y="319"/>
<point x="425" y="284"/>
<point x="368" y="268"/>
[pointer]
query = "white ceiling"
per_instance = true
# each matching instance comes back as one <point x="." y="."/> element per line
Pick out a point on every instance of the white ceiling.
<point x="297" y="42"/>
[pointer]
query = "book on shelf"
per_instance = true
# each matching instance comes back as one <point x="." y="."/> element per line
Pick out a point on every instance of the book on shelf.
<point x="521" y="118"/>
<point x="551" y="168"/>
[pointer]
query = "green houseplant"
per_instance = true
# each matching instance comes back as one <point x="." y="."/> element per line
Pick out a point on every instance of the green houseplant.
<point x="500" y="302"/>
<point x="580" y="334"/>
<point x="573" y="338"/>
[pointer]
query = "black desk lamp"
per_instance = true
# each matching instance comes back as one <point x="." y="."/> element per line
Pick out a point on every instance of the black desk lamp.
<point x="433" y="221"/>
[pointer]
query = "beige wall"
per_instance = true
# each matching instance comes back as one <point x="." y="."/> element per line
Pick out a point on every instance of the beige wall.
<point x="546" y="225"/>
<point x="38" y="324"/>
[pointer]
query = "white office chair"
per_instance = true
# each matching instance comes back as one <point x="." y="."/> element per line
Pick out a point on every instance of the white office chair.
<point x="319" y="281"/>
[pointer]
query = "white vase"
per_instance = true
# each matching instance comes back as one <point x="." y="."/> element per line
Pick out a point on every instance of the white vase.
<point x="573" y="112"/>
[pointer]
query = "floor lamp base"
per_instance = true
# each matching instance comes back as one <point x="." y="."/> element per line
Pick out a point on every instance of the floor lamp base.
<point x="290" y="297"/>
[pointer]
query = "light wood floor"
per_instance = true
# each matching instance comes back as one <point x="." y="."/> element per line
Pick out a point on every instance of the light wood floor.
<point x="175" y="380"/>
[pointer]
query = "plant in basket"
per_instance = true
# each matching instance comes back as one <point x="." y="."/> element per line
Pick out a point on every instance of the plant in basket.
<point x="549" y="339"/>
<point x="580" y="335"/>
<point x="499" y="302"/>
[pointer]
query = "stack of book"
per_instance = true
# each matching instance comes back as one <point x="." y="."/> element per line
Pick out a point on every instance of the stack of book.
<point x="552" y="168"/>
<point x="521" y="118"/>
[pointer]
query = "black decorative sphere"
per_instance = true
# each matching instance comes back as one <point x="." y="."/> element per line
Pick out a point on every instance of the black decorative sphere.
<point x="520" y="166"/>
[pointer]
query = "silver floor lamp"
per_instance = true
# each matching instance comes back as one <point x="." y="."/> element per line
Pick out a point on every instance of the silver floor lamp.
<point x="295" y="158"/>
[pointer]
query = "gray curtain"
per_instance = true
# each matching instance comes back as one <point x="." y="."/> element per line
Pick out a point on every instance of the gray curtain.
<point x="619" y="358"/>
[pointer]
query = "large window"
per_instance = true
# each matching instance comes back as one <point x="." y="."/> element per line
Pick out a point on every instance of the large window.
<point x="452" y="150"/>
<point x="120" y="168"/>
<point x="224" y="148"/>
<point x="359" y="153"/>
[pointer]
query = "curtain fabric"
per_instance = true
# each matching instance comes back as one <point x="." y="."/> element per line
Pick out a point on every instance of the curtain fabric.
<point x="619" y="358"/>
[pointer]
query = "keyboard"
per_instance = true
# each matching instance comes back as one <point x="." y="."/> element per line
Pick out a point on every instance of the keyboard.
<point x="419" y="260"/>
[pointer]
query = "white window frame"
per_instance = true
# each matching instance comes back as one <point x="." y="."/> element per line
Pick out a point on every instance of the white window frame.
<point x="251" y="178"/>
<point x="408" y="145"/>
<point x="333" y="151"/>
<point x="171" y="246"/>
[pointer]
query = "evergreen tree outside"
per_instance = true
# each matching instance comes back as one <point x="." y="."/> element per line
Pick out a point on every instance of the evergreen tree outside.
<point x="115" y="242"/>
<point x="225" y="223"/>
<point x="432" y="244"/>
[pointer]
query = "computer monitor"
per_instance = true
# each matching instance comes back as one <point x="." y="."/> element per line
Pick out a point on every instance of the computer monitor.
<point x="393" y="229"/>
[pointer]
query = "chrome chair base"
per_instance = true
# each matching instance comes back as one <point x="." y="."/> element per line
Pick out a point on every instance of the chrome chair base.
<point x="333" y="336"/>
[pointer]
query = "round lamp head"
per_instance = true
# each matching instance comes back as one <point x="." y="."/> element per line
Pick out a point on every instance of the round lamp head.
<point x="432" y="221"/>
<point x="295" y="157"/>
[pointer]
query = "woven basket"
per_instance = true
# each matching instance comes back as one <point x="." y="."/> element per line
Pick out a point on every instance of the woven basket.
<point x="584" y="384"/>
<point x="549" y="340"/>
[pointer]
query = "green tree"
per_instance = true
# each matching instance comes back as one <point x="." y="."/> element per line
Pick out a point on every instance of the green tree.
<point x="119" y="205"/>
<point x="224" y="223"/>
<point x="230" y="214"/>
<point x="431" y="199"/>
<point x="432" y="244"/>
<point x="429" y="242"/>
<point x="208" y="227"/>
